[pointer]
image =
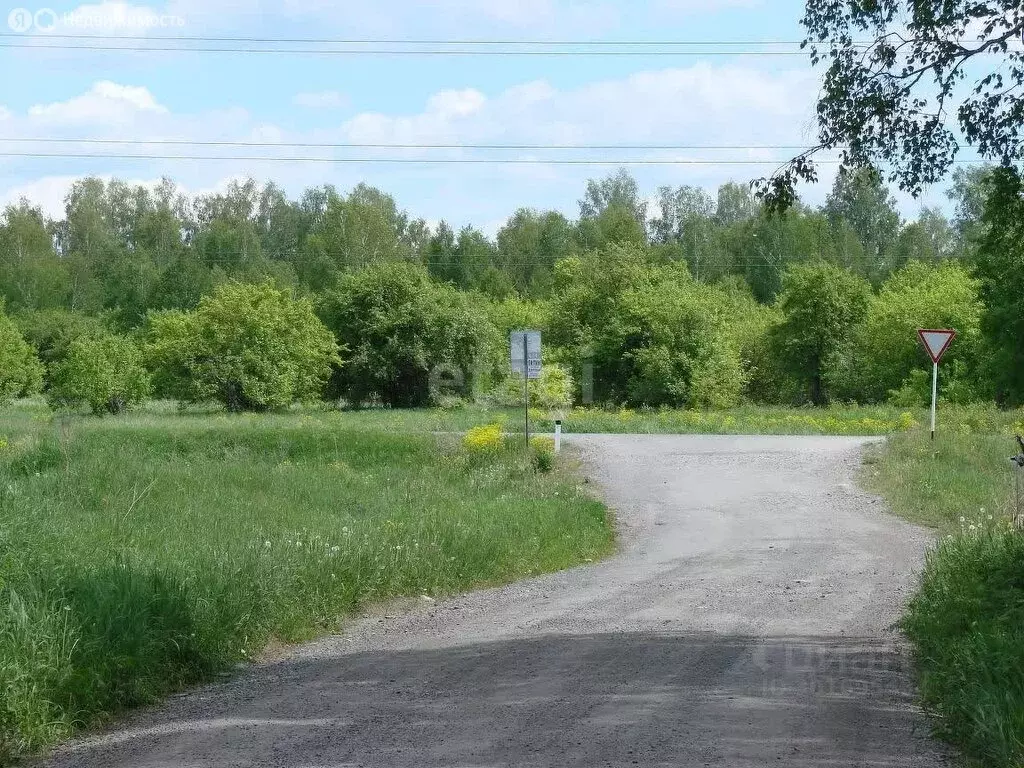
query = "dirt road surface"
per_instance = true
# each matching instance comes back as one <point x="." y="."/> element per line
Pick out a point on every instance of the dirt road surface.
<point x="746" y="621"/>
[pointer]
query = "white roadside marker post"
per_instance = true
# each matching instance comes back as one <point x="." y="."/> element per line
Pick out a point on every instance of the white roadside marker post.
<point x="558" y="436"/>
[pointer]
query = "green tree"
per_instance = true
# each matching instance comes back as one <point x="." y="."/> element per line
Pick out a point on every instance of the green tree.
<point x="104" y="373"/>
<point x="400" y="329"/>
<point x="32" y="276"/>
<point x="361" y="228"/>
<point x="51" y="332"/>
<point x="651" y="333"/>
<point x="615" y="225"/>
<point x="182" y="283"/>
<point x="736" y="204"/>
<point x="21" y="373"/>
<point x="618" y="190"/>
<point x="821" y="304"/>
<point x="883" y="351"/>
<point x="529" y="245"/>
<point x="930" y="238"/>
<point x="459" y="260"/>
<point x="861" y="200"/>
<point x="688" y="228"/>
<point x="887" y="101"/>
<point x="249" y="346"/>
<point x="768" y="245"/>
<point x="678" y="210"/>
<point x="1000" y="267"/>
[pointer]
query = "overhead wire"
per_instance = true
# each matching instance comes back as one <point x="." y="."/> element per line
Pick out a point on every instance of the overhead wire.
<point x="377" y="145"/>
<point x="419" y="161"/>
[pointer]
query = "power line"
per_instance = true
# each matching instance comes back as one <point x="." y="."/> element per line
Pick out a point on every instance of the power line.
<point x="409" y="160"/>
<point x="407" y="41"/>
<point x="396" y="51"/>
<point x="359" y="145"/>
<point x="664" y="43"/>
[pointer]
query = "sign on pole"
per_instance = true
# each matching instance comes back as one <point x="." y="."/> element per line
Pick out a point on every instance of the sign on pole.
<point x="526" y="361"/>
<point x="526" y="353"/>
<point x="936" y="342"/>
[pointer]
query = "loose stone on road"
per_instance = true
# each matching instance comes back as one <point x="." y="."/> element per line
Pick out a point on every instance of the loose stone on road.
<point x="746" y="621"/>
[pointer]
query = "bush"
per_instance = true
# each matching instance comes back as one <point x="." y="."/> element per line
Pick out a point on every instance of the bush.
<point x="652" y="334"/>
<point x="404" y="335"/>
<point x="51" y="332"/>
<point x="542" y="452"/>
<point x="883" y="353"/>
<point x="250" y="347"/>
<point x="21" y="373"/>
<point x="553" y="390"/>
<point x="103" y="372"/>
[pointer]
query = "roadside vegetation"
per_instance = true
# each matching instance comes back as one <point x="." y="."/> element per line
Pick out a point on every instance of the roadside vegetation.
<point x="967" y="620"/>
<point x="149" y="552"/>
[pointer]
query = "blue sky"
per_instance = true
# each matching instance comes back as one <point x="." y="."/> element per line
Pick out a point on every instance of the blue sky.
<point x="684" y="99"/>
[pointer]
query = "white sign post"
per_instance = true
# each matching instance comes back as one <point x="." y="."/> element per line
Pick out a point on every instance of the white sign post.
<point x="936" y="342"/>
<point x="526" y="361"/>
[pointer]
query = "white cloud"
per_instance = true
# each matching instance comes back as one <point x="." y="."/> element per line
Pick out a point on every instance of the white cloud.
<point x="106" y="103"/>
<point x="702" y="104"/>
<point x="47" y="193"/>
<point x="320" y="100"/>
<point x="456" y="103"/>
<point x="5" y="114"/>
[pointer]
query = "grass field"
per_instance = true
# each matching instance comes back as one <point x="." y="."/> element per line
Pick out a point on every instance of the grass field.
<point x="967" y="620"/>
<point x="835" y="420"/>
<point x="143" y="554"/>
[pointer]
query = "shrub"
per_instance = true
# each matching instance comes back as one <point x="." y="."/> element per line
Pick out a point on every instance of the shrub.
<point x="400" y="330"/>
<point x="883" y="353"/>
<point x="103" y="372"/>
<point x="542" y="452"/>
<point x="51" y="332"/>
<point x="250" y="347"/>
<point x="21" y="373"/>
<point x="553" y="390"/>
<point x="652" y="334"/>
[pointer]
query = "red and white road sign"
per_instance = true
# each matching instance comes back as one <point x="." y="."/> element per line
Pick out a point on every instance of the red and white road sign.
<point x="936" y="342"/>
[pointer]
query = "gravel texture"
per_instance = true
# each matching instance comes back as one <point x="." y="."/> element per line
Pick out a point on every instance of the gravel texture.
<point x="746" y="621"/>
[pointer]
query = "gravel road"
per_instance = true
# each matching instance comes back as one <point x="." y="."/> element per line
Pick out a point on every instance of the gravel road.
<point x="746" y="621"/>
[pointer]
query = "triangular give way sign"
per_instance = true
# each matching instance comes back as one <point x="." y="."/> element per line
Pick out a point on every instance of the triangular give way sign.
<point x="936" y="342"/>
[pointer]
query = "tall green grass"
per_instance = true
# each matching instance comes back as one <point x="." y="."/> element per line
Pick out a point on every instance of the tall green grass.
<point x="967" y="620"/>
<point x="748" y="419"/>
<point x="144" y="554"/>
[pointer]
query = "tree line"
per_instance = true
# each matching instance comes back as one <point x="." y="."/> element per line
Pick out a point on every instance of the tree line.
<point x="701" y="300"/>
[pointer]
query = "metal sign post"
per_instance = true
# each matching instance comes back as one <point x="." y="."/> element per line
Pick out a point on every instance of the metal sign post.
<point x="526" y="361"/>
<point x="526" y="392"/>
<point x="936" y="342"/>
